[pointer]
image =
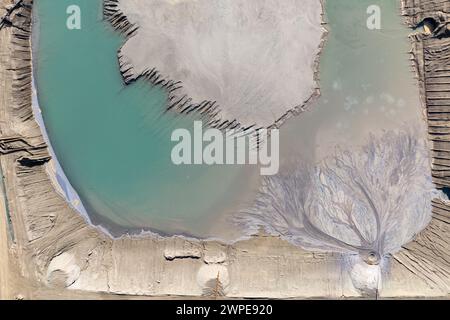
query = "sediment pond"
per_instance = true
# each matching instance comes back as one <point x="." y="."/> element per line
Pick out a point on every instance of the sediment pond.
<point x="113" y="141"/>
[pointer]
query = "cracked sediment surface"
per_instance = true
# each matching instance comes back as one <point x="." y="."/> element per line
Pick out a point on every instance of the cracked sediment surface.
<point x="240" y="62"/>
<point x="56" y="254"/>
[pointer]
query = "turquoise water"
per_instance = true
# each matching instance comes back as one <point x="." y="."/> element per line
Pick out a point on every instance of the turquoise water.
<point x="112" y="141"/>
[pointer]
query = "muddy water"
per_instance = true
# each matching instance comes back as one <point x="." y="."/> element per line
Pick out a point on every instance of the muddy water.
<point x="367" y="83"/>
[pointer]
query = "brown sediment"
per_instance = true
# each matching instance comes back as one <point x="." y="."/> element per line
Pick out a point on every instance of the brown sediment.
<point x="431" y="57"/>
<point x="428" y="255"/>
<point x="54" y="247"/>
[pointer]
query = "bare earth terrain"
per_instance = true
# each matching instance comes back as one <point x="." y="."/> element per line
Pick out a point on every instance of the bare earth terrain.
<point x="54" y="253"/>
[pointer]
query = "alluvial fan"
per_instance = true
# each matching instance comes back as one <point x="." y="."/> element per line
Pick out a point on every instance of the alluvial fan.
<point x="367" y="203"/>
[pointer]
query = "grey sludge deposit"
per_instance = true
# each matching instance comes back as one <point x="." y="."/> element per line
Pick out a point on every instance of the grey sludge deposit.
<point x="255" y="59"/>
<point x="365" y="203"/>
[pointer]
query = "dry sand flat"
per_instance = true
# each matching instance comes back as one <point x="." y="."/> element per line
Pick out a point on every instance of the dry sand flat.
<point x="254" y="59"/>
<point x="4" y="257"/>
<point x="55" y="249"/>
